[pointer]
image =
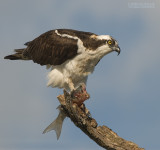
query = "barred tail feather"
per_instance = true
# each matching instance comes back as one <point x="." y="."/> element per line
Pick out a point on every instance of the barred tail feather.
<point x="56" y="124"/>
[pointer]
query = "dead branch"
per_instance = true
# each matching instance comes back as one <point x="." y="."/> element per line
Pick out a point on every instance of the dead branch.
<point x="102" y="135"/>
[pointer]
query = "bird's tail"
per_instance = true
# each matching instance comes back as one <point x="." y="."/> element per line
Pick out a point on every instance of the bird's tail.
<point x="56" y="124"/>
<point x="18" y="55"/>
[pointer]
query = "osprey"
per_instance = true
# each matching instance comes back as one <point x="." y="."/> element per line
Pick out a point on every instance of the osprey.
<point x="71" y="55"/>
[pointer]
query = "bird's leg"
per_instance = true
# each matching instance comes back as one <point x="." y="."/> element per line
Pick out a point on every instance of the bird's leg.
<point x="71" y="85"/>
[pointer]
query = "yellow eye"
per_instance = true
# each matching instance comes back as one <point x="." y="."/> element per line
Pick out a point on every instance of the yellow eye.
<point x="109" y="42"/>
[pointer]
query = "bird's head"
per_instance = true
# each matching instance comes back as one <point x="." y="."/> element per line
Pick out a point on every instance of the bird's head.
<point x="109" y="44"/>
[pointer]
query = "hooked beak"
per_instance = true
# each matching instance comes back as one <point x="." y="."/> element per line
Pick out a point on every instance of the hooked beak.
<point x="118" y="50"/>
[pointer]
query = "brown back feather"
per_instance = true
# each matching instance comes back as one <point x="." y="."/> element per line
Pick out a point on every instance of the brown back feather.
<point x="49" y="48"/>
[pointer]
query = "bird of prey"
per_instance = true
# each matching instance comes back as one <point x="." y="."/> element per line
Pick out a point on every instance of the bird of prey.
<point x="70" y="54"/>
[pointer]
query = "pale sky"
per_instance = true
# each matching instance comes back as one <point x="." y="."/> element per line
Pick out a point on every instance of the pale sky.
<point x="124" y="89"/>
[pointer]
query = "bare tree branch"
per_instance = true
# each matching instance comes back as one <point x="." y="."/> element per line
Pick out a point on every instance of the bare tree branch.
<point x="102" y="135"/>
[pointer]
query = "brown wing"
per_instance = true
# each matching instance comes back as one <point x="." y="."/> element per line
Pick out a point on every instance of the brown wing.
<point x="49" y="48"/>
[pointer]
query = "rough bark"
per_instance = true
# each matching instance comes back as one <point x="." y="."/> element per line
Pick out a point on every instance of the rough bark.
<point x="102" y="135"/>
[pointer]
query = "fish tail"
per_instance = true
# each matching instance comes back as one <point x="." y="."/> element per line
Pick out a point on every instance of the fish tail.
<point x="56" y="124"/>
